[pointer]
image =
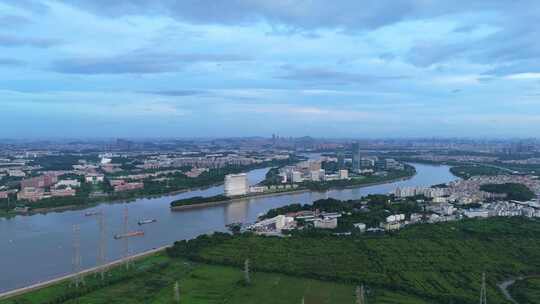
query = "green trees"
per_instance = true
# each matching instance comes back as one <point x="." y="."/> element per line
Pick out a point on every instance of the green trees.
<point x="438" y="262"/>
<point x="513" y="191"/>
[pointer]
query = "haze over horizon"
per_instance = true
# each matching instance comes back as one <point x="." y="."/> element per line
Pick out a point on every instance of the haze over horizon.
<point x="356" y="69"/>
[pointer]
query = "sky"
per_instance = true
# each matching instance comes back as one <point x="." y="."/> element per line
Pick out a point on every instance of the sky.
<point x="219" y="68"/>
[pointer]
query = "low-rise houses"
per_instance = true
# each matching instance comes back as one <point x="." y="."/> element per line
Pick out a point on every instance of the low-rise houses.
<point x="360" y="226"/>
<point x="68" y="183"/>
<point x="326" y="223"/>
<point x="16" y="173"/>
<point x="121" y="185"/>
<point x="63" y="192"/>
<point x="94" y="178"/>
<point x="31" y="194"/>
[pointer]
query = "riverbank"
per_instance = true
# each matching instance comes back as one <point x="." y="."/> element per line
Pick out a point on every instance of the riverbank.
<point x="209" y="268"/>
<point x="92" y="204"/>
<point x="40" y="285"/>
<point x="285" y="192"/>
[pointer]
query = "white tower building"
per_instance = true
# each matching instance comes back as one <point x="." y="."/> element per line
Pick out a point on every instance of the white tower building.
<point x="236" y="184"/>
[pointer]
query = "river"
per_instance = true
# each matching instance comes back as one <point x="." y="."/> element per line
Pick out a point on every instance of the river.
<point x="40" y="247"/>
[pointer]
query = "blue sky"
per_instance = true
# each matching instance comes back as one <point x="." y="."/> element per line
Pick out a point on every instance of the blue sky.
<point x="164" y="68"/>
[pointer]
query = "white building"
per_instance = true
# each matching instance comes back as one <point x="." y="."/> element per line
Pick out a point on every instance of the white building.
<point x="360" y="226"/>
<point x="94" y="178"/>
<point x="236" y="184"/>
<point x="275" y="224"/>
<point x="343" y="174"/>
<point x="476" y="213"/>
<point x="68" y="183"/>
<point x="296" y="177"/>
<point x="326" y="223"/>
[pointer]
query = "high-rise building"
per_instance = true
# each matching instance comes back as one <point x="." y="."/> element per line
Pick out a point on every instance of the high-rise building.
<point x="340" y="160"/>
<point x="356" y="158"/>
<point x="236" y="184"/>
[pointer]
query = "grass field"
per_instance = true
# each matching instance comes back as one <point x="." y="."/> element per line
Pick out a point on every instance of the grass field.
<point x="527" y="291"/>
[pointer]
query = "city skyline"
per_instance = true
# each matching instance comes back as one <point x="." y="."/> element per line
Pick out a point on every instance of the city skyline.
<point x="143" y="69"/>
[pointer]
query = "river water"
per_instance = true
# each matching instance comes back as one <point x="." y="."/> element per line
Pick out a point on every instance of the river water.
<point x="40" y="247"/>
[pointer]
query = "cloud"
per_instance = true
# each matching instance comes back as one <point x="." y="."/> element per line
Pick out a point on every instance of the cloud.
<point x="426" y="54"/>
<point x="464" y="28"/>
<point x="36" y="6"/>
<point x="176" y="92"/>
<point x="314" y="14"/>
<point x="10" y="62"/>
<point x="9" y="21"/>
<point x="325" y="75"/>
<point x="138" y="62"/>
<point x="13" y="41"/>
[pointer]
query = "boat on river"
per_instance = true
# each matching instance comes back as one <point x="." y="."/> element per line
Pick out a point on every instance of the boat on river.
<point x="146" y="221"/>
<point x="129" y="234"/>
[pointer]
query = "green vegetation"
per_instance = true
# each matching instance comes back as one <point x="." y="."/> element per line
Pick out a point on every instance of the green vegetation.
<point x="526" y="291"/>
<point x="438" y="263"/>
<point x="358" y="181"/>
<point x="467" y="171"/>
<point x="513" y="191"/>
<point x="374" y="209"/>
<point x="272" y="177"/>
<point x="62" y="162"/>
<point x="198" y="200"/>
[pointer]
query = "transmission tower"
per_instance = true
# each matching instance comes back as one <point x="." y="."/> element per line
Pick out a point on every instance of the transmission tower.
<point x="247" y="278"/>
<point x="126" y="238"/>
<point x="483" y="292"/>
<point x="102" y="245"/>
<point x="176" y="292"/>
<point x="77" y="279"/>
<point x="360" y="295"/>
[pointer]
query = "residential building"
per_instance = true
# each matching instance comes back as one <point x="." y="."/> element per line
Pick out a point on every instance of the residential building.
<point x="326" y="223"/>
<point x="94" y="178"/>
<point x="31" y="194"/>
<point x="128" y="186"/>
<point x="63" y="192"/>
<point x="68" y="183"/>
<point x="42" y="181"/>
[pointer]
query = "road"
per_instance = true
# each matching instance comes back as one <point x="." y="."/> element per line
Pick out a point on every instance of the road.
<point x="503" y="286"/>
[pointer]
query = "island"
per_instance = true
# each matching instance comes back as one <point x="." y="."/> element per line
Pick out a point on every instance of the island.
<point x="276" y="183"/>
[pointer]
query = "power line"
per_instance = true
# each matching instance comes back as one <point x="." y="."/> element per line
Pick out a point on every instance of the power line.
<point x="102" y="245"/>
<point x="77" y="279"/>
<point x="126" y="238"/>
